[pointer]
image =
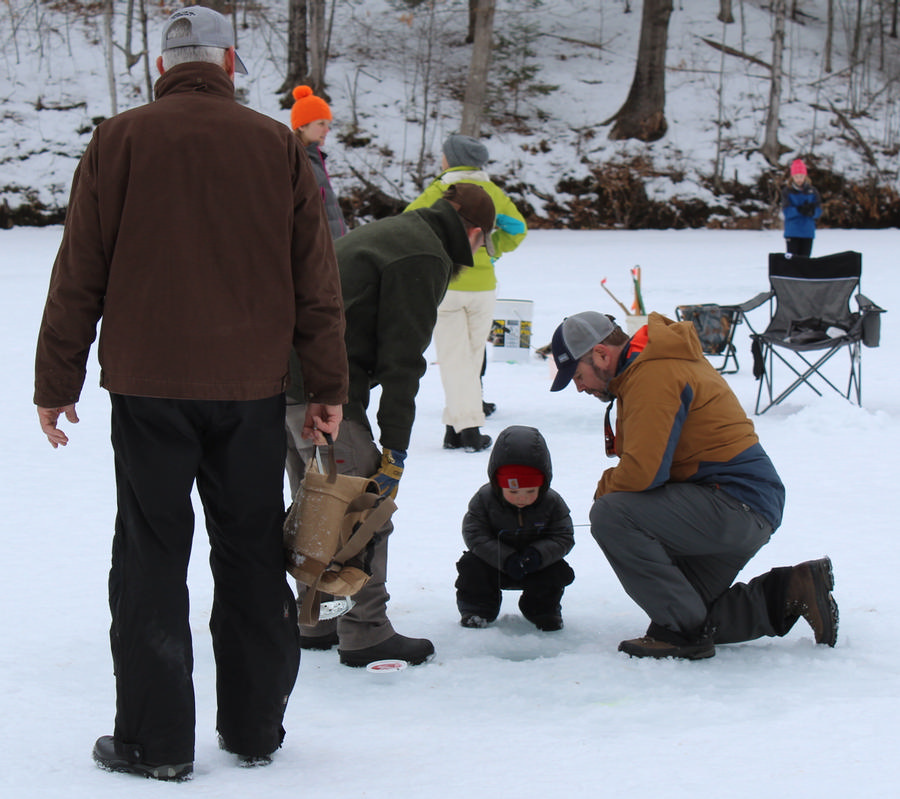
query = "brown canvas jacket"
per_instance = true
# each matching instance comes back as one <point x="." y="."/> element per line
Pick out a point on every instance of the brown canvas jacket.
<point x="196" y="231"/>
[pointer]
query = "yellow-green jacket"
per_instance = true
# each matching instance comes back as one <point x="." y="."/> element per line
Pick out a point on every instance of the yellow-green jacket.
<point x="481" y="276"/>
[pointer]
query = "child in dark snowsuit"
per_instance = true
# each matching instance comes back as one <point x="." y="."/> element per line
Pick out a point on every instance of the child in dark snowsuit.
<point x="517" y="530"/>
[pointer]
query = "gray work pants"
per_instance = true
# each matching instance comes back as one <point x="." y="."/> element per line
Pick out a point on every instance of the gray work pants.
<point x="678" y="548"/>
<point x="355" y="453"/>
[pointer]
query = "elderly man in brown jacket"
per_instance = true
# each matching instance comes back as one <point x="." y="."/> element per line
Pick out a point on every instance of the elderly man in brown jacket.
<point x="196" y="231"/>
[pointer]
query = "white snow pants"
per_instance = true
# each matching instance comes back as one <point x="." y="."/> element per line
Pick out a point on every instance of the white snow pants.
<point x="460" y="336"/>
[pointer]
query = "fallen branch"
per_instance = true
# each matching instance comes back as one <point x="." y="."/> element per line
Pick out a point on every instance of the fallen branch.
<point x="854" y="133"/>
<point x="731" y="51"/>
<point x="40" y="105"/>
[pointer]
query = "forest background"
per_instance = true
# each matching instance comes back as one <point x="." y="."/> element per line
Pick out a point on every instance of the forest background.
<point x="597" y="113"/>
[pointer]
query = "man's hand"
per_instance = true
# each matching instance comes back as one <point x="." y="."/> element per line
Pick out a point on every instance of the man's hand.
<point x="48" y="417"/>
<point x="321" y="419"/>
<point x="388" y="476"/>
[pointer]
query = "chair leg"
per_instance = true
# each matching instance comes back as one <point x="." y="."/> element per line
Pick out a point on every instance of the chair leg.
<point x="730" y="355"/>
<point x="855" y="373"/>
<point x="804" y="377"/>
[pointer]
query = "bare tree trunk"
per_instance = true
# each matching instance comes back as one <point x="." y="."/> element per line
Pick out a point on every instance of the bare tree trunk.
<point x="317" y="49"/>
<point x="725" y="13"/>
<point x="145" y="45"/>
<point x="642" y="116"/>
<point x="428" y="66"/>
<point x="893" y="33"/>
<point x="720" y="122"/>
<point x="829" y="35"/>
<point x="470" y="34"/>
<point x="771" y="149"/>
<point x="476" y="85"/>
<point x="297" y="55"/>
<point x="110" y="52"/>
<point x="131" y="58"/>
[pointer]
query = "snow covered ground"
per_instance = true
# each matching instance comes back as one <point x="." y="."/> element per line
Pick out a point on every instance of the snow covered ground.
<point x="506" y="711"/>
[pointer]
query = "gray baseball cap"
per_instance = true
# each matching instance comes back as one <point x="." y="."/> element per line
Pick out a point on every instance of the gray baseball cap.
<point x="208" y="29"/>
<point x="574" y="339"/>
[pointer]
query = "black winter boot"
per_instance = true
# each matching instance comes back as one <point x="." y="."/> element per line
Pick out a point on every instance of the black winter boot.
<point x="473" y="440"/>
<point x="398" y="647"/>
<point x="111" y="756"/>
<point x="451" y="438"/>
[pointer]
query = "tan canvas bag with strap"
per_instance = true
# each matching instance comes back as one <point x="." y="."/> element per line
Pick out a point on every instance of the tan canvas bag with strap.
<point x="332" y="518"/>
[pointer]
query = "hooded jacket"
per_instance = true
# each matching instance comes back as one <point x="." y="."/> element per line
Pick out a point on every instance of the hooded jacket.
<point x="394" y="274"/>
<point x="493" y="529"/>
<point x="798" y="225"/>
<point x="196" y="230"/>
<point x="481" y="277"/>
<point x="336" y="223"/>
<point x="679" y="421"/>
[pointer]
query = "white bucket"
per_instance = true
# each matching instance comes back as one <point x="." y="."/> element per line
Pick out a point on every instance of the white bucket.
<point x="634" y="322"/>
<point x="511" y="330"/>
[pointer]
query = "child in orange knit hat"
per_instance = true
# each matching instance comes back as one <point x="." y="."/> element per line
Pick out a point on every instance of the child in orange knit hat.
<point x="311" y="121"/>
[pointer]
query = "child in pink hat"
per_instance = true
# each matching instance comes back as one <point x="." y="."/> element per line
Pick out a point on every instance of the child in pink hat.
<point x="801" y="207"/>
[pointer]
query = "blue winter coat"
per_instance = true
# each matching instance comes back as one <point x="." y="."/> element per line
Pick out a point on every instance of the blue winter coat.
<point x="798" y="225"/>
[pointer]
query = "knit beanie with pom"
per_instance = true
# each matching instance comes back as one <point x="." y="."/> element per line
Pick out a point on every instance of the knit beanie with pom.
<point x="307" y="108"/>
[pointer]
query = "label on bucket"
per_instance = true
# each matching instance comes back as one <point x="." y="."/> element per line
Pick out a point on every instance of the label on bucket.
<point x="511" y="329"/>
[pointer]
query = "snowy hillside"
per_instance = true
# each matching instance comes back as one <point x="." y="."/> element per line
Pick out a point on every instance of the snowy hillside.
<point x="395" y="78"/>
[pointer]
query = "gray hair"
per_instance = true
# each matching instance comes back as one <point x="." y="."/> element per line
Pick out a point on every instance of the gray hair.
<point x="186" y="55"/>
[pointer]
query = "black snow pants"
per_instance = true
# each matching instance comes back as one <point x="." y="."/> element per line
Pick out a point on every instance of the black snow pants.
<point x="479" y="586"/>
<point x="235" y="452"/>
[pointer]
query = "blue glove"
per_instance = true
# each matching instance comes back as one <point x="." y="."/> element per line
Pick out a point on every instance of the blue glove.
<point x="387" y="478"/>
<point x="510" y="225"/>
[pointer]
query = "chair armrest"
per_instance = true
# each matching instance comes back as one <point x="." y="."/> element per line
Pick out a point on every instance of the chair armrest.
<point x="867" y="306"/>
<point x="869" y="321"/>
<point x="758" y="300"/>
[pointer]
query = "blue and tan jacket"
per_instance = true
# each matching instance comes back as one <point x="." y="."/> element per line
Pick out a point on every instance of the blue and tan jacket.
<point x="679" y="421"/>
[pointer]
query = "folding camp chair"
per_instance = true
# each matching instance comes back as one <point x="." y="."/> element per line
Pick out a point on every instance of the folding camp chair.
<point x="715" y="326"/>
<point x="811" y="321"/>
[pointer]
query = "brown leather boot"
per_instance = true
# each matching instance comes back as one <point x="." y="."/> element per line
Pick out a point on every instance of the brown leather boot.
<point x="809" y="595"/>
